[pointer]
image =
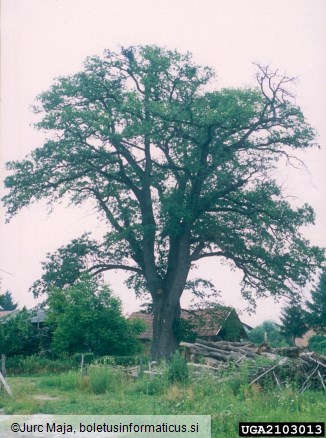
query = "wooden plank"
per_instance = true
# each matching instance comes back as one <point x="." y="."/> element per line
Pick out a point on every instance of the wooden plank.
<point x="5" y="384"/>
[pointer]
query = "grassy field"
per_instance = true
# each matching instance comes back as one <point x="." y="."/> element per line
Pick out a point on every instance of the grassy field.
<point x="110" y="393"/>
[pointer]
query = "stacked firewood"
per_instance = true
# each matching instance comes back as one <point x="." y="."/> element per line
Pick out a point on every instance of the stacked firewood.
<point x="306" y="369"/>
<point x="222" y="350"/>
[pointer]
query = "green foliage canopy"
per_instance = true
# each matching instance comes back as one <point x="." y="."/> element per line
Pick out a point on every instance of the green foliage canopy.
<point x="18" y="336"/>
<point x="270" y="330"/>
<point x="86" y="317"/>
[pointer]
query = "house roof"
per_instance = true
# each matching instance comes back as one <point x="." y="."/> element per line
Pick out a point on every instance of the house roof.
<point x="247" y="327"/>
<point x="6" y="314"/>
<point x="148" y="319"/>
<point x="208" y="322"/>
<point x="39" y="317"/>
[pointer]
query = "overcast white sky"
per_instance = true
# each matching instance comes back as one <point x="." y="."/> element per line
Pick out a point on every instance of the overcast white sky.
<point x="42" y="39"/>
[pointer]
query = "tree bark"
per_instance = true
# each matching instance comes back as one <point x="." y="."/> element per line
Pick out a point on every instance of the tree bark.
<point x="166" y="299"/>
<point x="165" y="341"/>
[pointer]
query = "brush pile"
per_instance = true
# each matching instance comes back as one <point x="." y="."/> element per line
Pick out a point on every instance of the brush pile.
<point x="283" y="365"/>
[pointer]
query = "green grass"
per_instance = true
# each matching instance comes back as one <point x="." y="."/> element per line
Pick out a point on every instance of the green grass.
<point x="108" y="392"/>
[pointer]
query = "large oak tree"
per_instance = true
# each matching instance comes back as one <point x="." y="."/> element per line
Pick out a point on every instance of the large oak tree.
<point x="178" y="172"/>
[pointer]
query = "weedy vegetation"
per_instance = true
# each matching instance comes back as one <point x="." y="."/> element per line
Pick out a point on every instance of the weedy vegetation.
<point x="228" y="398"/>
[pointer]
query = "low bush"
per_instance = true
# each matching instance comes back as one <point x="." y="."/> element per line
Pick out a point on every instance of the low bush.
<point x="178" y="372"/>
<point x="125" y="361"/>
<point x="18" y="365"/>
<point x="156" y="384"/>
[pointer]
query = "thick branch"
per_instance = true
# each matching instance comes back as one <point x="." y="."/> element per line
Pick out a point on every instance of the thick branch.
<point x="102" y="267"/>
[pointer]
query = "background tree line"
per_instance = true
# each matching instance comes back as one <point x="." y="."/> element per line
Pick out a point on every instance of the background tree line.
<point x="296" y="319"/>
<point x="86" y="317"/>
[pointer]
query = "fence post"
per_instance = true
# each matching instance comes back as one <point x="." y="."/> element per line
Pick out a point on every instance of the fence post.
<point x="82" y="365"/>
<point x="3" y="364"/>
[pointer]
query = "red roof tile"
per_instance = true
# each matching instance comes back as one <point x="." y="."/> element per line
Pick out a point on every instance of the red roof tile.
<point x="208" y="322"/>
<point x="5" y="313"/>
<point x="148" y="319"/>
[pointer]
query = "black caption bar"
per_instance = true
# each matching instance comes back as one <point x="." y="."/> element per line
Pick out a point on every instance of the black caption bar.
<point x="282" y="429"/>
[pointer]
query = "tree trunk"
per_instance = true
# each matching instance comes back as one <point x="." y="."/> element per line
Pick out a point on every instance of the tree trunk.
<point x="166" y="300"/>
<point x="165" y="341"/>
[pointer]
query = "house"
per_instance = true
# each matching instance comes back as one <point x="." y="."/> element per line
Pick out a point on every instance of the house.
<point x="5" y="315"/>
<point x="216" y="323"/>
<point x="247" y="327"/>
<point x="37" y="316"/>
<point x="147" y="334"/>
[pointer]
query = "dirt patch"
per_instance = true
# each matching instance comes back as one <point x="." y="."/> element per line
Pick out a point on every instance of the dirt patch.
<point x="44" y="397"/>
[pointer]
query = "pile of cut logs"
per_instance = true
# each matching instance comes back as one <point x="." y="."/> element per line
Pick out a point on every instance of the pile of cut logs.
<point x="220" y="351"/>
<point x="307" y="369"/>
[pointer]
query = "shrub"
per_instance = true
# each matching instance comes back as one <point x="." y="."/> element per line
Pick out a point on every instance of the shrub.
<point x="178" y="371"/>
<point x="87" y="317"/>
<point x="156" y="385"/>
<point x="18" y="336"/>
<point x="317" y="343"/>
<point x="152" y="384"/>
